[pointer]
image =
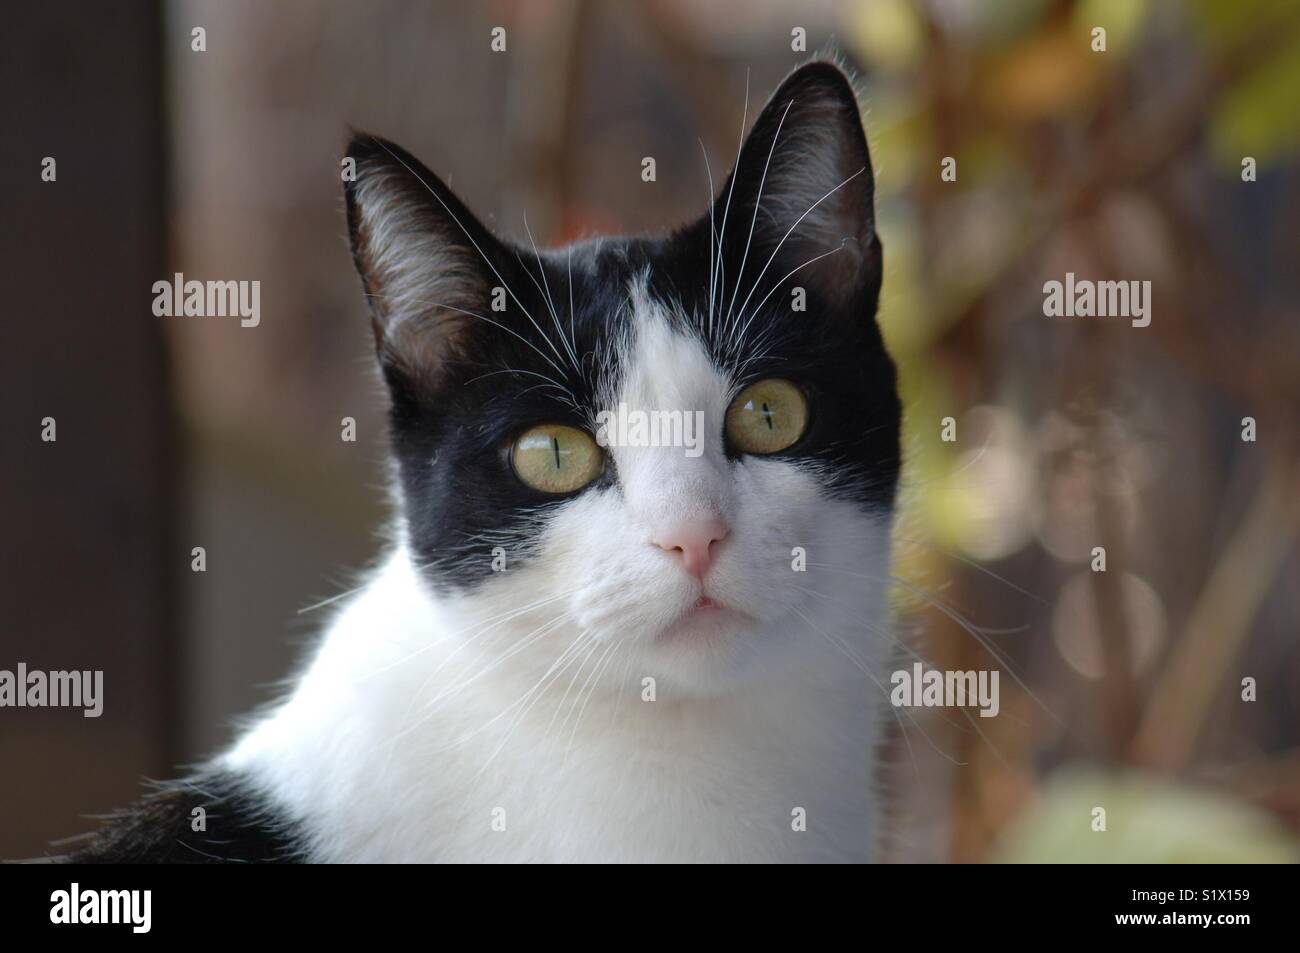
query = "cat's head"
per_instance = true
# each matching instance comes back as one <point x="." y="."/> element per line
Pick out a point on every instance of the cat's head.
<point x="526" y="386"/>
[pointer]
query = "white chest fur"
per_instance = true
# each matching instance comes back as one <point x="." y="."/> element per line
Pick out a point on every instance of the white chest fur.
<point x="401" y="743"/>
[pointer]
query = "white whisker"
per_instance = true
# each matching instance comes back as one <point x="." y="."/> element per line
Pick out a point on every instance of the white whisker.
<point x="790" y="231"/>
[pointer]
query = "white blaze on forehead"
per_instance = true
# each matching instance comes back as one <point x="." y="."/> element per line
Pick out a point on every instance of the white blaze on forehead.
<point x="667" y="371"/>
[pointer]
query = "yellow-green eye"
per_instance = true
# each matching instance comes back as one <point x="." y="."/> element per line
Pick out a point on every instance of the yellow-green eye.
<point x="554" y="458"/>
<point x="767" y="417"/>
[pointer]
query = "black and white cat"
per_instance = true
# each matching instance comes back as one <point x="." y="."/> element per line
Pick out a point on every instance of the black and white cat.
<point x="580" y="652"/>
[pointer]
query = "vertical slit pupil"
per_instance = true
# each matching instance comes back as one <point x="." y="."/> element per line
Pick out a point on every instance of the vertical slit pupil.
<point x="555" y="445"/>
<point x="767" y="415"/>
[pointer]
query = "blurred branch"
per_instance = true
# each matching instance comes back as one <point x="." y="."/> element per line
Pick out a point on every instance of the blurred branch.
<point x="1135" y="148"/>
<point x="1221" y="621"/>
<point x="1262" y="379"/>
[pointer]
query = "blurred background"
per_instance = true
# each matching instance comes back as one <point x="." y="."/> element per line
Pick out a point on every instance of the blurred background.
<point x="1169" y="156"/>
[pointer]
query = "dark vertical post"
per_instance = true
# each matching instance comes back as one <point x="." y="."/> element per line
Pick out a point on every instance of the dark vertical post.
<point x="87" y="565"/>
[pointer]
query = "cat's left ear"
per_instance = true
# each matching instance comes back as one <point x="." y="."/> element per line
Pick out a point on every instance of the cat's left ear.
<point x="798" y="208"/>
<point x="426" y="263"/>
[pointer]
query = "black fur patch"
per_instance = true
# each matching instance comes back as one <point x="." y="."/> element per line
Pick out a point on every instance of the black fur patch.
<point x="241" y="827"/>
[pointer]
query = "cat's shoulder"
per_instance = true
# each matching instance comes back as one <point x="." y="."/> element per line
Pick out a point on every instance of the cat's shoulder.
<point x="214" y="816"/>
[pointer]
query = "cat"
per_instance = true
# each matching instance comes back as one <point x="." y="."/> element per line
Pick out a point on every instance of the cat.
<point x="584" y="650"/>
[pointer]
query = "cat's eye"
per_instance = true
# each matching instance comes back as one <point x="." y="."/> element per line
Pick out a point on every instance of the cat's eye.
<point x="554" y="458"/>
<point x="767" y="417"/>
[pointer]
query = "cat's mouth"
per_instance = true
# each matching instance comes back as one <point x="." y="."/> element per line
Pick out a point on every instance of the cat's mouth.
<point x="706" y="620"/>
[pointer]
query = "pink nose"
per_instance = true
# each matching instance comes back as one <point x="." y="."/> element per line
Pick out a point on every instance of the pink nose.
<point x="694" y="541"/>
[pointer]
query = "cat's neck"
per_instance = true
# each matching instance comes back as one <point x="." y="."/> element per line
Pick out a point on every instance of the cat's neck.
<point x="403" y="737"/>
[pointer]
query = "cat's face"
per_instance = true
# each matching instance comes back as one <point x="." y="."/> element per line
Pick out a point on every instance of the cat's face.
<point x="684" y="447"/>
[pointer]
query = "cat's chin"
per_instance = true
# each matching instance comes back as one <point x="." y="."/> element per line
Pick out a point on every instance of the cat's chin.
<point x="706" y="624"/>
<point x="711" y="650"/>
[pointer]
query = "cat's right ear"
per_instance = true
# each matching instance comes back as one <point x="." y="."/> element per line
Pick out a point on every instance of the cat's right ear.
<point x="426" y="263"/>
